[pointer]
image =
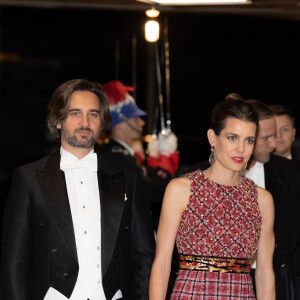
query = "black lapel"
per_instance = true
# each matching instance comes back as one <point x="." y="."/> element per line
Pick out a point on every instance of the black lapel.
<point x="273" y="182"/>
<point x="112" y="197"/>
<point x="53" y="186"/>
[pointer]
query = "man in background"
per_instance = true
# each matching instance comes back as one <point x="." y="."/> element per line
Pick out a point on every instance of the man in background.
<point x="279" y="176"/>
<point x="125" y="147"/>
<point x="285" y="130"/>
<point x="284" y="139"/>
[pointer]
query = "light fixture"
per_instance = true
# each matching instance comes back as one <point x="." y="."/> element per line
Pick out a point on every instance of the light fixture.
<point x="152" y="31"/>
<point x="195" y="2"/>
<point x="152" y="13"/>
<point x="152" y="26"/>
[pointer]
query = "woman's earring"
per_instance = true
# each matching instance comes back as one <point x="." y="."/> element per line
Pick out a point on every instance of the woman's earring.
<point x="211" y="158"/>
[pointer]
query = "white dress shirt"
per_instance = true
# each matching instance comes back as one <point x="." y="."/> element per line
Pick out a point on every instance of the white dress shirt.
<point x="84" y="198"/>
<point x="257" y="174"/>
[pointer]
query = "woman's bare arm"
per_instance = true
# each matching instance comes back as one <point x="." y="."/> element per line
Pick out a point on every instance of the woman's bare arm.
<point x="264" y="275"/>
<point x="175" y="201"/>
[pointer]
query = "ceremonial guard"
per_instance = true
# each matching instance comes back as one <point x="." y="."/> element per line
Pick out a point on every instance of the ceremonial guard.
<point x="126" y="129"/>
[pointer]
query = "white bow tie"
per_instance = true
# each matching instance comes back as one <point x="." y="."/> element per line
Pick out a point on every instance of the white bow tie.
<point x="89" y="162"/>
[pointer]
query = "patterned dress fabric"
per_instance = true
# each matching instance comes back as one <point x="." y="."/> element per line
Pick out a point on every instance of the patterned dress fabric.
<point x="219" y="221"/>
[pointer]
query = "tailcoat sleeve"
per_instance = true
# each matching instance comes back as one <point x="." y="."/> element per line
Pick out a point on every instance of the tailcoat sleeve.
<point x="16" y="240"/>
<point x="142" y="242"/>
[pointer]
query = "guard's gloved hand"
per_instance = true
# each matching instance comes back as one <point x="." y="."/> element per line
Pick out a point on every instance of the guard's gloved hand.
<point x="167" y="144"/>
<point x="152" y="147"/>
<point x="167" y="158"/>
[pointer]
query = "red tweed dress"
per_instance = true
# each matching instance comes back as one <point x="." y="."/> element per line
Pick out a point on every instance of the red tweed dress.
<point x="219" y="221"/>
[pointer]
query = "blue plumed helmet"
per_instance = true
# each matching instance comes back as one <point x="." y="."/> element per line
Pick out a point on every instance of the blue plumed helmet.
<point x="121" y="104"/>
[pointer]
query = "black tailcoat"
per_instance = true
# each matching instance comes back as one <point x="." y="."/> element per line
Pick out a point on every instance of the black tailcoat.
<point x="39" y="247"/>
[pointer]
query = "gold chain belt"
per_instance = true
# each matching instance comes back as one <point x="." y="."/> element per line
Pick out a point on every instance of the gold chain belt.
<point x="214" y="264"/>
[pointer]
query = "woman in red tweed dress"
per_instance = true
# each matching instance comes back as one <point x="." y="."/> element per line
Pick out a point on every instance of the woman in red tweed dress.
<point x="218" y="218"/>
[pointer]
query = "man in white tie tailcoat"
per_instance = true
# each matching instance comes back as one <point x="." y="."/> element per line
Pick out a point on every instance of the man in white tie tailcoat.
<point x="76" y="226"/>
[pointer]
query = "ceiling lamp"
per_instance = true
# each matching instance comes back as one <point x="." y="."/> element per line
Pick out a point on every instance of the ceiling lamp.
<point x="152" y="13"/>
<point x="195" y="2"/>
<point x="152" y="31"/>
<point x="152" y="26"/>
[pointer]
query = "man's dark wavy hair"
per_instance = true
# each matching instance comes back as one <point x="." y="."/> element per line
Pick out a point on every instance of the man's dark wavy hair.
<point x="60" y="103"/>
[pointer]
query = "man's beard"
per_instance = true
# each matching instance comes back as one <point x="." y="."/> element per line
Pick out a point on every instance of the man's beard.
<point x="85" y="142"/>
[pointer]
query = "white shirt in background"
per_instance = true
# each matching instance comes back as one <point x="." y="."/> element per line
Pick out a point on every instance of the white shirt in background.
<point x="257" y="174"/>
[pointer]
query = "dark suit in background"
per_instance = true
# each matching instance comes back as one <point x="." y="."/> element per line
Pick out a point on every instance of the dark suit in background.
<point x="281" y="179"/>
<point x="39" y="248"/>
<point x="154" y="184"/>
<point x="296" y="254"/>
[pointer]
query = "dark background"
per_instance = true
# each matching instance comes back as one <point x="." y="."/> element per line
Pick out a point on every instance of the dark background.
<point x="210" y="56"/>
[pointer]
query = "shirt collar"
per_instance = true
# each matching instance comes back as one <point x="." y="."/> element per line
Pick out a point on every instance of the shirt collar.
<point x="131" y="152"/>
<point x="70" y="161"/>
